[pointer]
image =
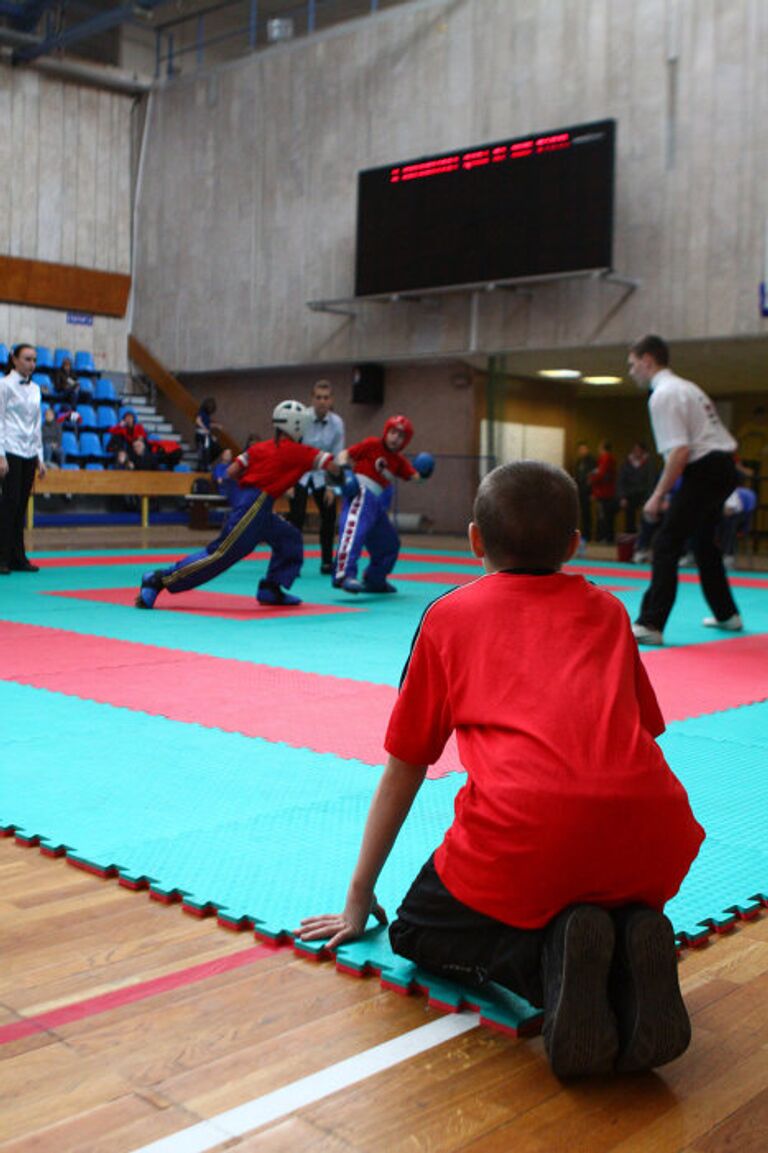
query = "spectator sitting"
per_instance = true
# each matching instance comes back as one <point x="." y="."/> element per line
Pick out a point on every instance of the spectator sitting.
<point x="65" y="383"/>
<point x="141" y="458"/>
<point x="125" y="432"/>
<point x="52" y="432"/>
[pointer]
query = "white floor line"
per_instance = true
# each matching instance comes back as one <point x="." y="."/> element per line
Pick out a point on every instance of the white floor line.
<point x="282" y="1102"/>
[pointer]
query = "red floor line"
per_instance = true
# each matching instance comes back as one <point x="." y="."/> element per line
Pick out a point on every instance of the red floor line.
<point x="92" y="1006"/>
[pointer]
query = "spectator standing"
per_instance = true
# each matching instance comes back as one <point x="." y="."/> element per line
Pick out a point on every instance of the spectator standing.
<point x="635" y="482"/>
<point x="21" y="455"/>
<point x="699" y="452"/>
<point x="325" y="431"/>
<point x="603" y="482"/>
<point x="205" y="426"/>
<point x="583" y="469"/>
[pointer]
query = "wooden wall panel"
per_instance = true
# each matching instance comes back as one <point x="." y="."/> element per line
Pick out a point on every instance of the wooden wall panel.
<point x="63" y="286"/>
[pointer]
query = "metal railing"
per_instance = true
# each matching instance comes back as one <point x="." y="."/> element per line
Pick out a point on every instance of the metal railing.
<point x="234" y="28"/>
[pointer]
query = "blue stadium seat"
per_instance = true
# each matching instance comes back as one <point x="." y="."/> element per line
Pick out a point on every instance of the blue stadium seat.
<point x="44" y="381"/>
<point x="70" y="449"/>
<point x="105" y="439"/>
<point x="59" y="356"/>
<point x="92" y="465"/>
<point x="44" y="358"/>
<point x="85" y="386"/>
<point x="182" y="466"/>
<point x="105" y="392"/>
<point x="5" y="352"/>
<point x="84" y="362"/>
<point x="87" y="417"/>
<point x="106" y="416"/>
<point x="90" y="448"/>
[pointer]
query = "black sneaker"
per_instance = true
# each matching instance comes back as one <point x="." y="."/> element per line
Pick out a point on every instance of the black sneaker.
<point x="654" y="1027"/>
<point x="580" y="1033"/>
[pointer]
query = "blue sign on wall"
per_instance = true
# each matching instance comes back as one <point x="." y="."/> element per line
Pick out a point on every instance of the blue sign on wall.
<point x="80" y="318"/>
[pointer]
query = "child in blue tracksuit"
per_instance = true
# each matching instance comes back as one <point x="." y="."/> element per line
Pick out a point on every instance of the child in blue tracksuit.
<point x="263" y="472"/>
<point x="377" y="461"/>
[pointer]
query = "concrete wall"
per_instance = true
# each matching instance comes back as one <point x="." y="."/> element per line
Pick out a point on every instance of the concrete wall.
<point x="65" y="198"/>
<point x="248" y="204"/>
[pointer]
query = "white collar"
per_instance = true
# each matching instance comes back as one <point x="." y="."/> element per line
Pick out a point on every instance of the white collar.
<point x="660" y="377"/>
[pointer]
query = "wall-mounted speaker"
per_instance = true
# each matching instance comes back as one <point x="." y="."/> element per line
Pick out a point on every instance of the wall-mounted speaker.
<point x="368" y="384"/>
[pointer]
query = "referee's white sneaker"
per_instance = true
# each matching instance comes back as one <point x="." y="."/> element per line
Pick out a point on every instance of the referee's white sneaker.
<point x="646" y="636"/>
<point x="733" y="624"/>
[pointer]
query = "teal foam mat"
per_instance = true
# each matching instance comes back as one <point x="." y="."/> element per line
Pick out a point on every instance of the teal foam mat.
<point x="266" y="834"/>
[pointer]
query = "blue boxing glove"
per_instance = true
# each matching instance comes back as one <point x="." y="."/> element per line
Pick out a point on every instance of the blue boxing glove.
<point x="424" y="464"/>
<point x="349" y="485"/>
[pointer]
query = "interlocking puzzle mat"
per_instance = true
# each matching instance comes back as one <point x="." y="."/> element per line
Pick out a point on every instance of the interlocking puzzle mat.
<point x="227" y="759"/>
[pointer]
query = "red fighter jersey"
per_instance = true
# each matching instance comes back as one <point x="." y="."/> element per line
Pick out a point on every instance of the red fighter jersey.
<point x="371" y="457"/>
<point x="568" y="796"/>
<point x="276" y="465"/>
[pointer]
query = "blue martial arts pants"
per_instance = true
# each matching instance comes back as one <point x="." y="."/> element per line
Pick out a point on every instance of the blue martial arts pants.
<point x="365" y="524"/>
<point x="250" y="523"/>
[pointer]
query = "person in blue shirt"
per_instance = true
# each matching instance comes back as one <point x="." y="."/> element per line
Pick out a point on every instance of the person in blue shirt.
<point x="325" y="431"/>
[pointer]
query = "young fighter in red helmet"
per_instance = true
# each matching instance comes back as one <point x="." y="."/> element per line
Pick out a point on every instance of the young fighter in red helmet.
<point x="365" y="523"/>
<point x="263" y="472"/>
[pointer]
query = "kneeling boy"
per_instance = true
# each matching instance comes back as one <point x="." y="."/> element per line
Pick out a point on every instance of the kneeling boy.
<point x="571" y="832"/>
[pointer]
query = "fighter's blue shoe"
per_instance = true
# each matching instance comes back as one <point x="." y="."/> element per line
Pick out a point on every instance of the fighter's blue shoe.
<point x="150" y="587"/>
<point x="350" y="585"/>
<point x="272" y="594"/>
<point x="384" y="587"/>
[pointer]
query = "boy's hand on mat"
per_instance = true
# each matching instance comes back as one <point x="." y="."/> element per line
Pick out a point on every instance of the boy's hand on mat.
<point x="341" y="927"/>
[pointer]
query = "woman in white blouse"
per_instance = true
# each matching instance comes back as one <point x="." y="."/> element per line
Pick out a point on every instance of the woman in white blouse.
<point x="21" y="455"/>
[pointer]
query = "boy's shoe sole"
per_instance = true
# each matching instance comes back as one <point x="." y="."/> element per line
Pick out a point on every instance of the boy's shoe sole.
<point x="580" y="1031"/>
<point x="654" y="1027"/>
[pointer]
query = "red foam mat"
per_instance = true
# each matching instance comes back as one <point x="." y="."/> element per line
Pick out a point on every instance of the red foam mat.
<point x="691" y="681"/>
<point x="236" y="696"/>
<point x="209" y="604"/>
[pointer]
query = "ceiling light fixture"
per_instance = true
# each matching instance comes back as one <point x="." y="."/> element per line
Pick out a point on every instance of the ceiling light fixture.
<point x="602" y="379"/>
<point x="560" y="373"/>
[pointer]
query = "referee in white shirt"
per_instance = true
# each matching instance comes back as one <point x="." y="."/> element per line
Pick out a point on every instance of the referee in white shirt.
<point x="698" y="450"/>
<point x="325" y="431"/>
<point x="21" y="455"/>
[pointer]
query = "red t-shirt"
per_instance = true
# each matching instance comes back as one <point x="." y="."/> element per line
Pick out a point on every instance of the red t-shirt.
<point x="568" y="796"/>
<point x="371" y="457"/>
<point x="275" y="465"/>
<point x="603" y="479"/>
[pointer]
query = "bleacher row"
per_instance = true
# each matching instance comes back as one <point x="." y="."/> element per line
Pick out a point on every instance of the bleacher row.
<point x="85" y="439"/>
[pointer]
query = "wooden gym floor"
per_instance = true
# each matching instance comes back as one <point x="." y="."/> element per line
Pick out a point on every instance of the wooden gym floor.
<point x="124" y="1023"/>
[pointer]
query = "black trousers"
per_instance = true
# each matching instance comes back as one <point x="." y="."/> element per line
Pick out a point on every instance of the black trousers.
<point x="17" y="485"/>
<point x="694" y="513"/>
<point x="298" y="512"/>
<point x="446" y="937"/>
<point x="585" y="513"/>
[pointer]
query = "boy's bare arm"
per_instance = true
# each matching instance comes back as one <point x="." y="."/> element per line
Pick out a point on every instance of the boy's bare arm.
<point x="390" y="806"/>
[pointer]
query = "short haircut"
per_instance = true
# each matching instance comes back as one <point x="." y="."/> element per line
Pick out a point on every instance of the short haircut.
<point x="322" y="384"/>
<point x="527" y="513"/>
<point x="653" y="346"/>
